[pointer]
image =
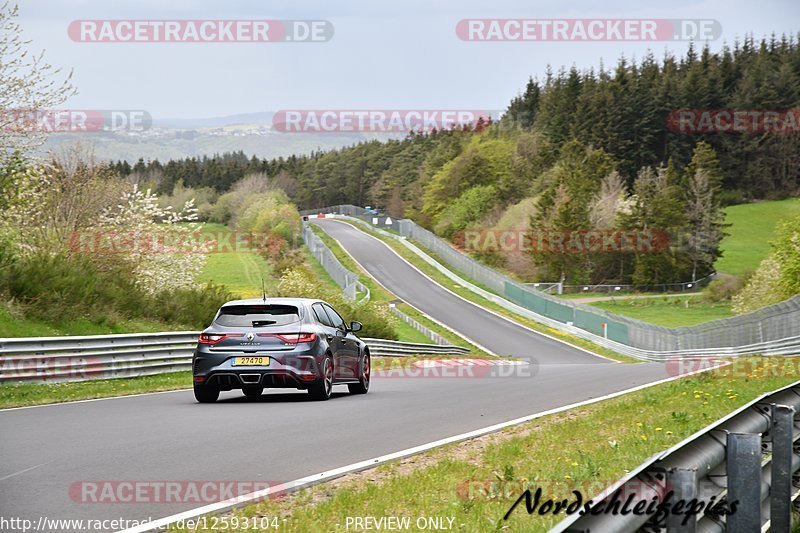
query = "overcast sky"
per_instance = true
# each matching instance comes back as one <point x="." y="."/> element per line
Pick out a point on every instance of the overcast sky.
<point x="386" y="54"/>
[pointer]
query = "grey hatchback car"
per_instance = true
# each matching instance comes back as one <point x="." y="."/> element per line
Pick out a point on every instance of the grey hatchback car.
<point x="296" y="343"/>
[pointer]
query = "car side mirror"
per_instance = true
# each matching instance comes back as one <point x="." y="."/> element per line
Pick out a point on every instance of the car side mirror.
<point x="356" y="326"/>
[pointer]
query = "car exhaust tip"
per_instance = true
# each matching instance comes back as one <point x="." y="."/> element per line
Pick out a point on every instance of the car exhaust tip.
<point x="250" y="378"/>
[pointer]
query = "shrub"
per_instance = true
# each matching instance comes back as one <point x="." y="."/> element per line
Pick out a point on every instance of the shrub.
<point x="192" y="307"/>
<point x="723" y="289"/>
<point x="57" y="288"/>
<point x="762" y="289"/>
<point x="466" y="209"/>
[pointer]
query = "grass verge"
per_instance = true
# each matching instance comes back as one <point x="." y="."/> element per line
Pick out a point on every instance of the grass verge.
<point x="45" y="393"/>
<point x="379" y="294"/>
<point x="670" y="311"/>
<point x="467" y="294"/>
<point x="14" y="326"/>
<point x="25" y="394"/>
<point x="475" y="482"/>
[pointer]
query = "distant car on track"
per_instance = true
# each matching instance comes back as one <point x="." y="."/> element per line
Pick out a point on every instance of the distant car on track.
<point x="297" y="343"/>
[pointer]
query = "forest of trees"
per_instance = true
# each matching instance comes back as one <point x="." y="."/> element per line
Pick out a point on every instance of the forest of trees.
<point x="574" y="146"/>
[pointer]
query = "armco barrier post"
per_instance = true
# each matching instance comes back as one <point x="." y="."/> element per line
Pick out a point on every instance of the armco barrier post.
<point x="780" y="492"/>
<point x="743" y="466"/>
<point x="683" y="483"/>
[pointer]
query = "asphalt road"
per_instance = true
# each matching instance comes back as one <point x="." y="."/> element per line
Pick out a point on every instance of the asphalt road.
<point x="49" y="450"/>
<point x="487" y="329"/>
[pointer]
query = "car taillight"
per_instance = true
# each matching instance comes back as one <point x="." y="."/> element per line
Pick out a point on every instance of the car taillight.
<point x="214" y="338"/>
<point x="306" y="337"/>
<point x="292" y="338"/>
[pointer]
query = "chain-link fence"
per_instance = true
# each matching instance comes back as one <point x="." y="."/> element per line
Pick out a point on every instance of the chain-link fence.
<point x="347" y="280"/>
<point x="772" y="323"/>
<point x="686" y="286"/>
<point x="351" y="286"/>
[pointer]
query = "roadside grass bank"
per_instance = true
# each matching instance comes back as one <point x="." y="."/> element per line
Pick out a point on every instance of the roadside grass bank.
<point x="467" y="294"/>
<point x="25" y="394"/>
<point x="475" y="482"/>
<point x="379" y="294"/>
<point x="15" y="326"/>
<point x="405" y="332"/>
<point x="670" y="311"/>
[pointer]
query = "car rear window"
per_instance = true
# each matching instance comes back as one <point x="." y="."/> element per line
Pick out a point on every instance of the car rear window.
<point x="255" y="316"/>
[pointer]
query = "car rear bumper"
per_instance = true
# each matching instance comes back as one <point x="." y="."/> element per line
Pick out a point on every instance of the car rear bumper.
<point x="285" y="370"/>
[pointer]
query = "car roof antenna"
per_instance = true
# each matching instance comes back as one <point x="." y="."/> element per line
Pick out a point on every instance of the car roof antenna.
<point x="263" y="290"/>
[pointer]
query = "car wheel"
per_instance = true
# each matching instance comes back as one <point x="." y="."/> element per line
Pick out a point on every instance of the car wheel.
<point x="321" y="390"/>
<point x="362" y="387"/>
<point x="205" y="394"/>
<point x="252" y="392"/>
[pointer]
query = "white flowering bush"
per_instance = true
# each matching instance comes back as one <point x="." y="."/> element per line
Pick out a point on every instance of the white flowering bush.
<point x="23" y="220"/>
<point x="763" y="288"/>
<point x="164" y="246"/>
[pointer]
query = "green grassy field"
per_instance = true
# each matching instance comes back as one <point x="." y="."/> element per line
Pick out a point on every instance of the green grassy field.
<point x="752" y="228"/>
<point x="670" y="311"/>
<point x="240" y="272"/>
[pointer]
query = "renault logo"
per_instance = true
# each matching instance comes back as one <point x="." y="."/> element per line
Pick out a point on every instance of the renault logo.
<point x="250" y="336"/>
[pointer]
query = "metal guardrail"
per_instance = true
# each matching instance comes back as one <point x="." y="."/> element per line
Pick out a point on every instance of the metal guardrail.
<point x="350" y="282"/>
<point x="773" y="330"/>
<point x="749" y="456"/>
<point x="428" y="332"/>
<point x="383" y="347"/>
<point x="55" y="359"/>
<point x="346" y="279"/>
<point x="60" y="359"/>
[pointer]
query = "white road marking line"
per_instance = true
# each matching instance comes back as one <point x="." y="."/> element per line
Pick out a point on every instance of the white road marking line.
<point x="315" y="479"/>
<point x="504" y="317"/>
<point x="376" y="280"/>
<point x="91" y="399"/>
<point x="23" y="471"/>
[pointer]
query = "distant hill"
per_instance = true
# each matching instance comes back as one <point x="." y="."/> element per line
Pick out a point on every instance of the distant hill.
<point x="177" y="138"/>
<point x="264" y="117"/>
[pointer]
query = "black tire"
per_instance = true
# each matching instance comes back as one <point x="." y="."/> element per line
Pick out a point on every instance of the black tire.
<point x="253" y="391"/>
<point x="321" y="389"/>
<point x="205" y="394"/>
<point x="362" y="387"/>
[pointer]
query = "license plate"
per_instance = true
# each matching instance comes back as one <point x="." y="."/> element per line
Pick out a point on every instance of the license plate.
<point x="251" y="361"/>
